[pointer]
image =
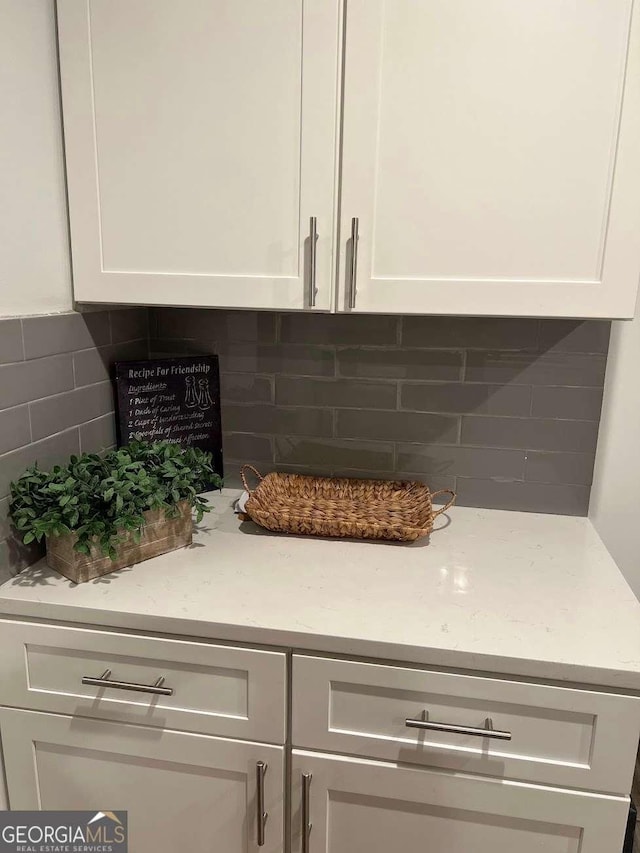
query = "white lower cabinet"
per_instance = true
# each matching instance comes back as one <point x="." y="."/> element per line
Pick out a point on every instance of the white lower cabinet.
<point x="182" y="791"/>
<point x="342" y="805"/>
<point x="383" y="758"/>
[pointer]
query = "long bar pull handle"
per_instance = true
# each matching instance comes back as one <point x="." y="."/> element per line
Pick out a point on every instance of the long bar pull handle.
<point x="313" y="241"/>
<point x="261" y="769"/>
<point x="353" y="275"/>
<point x="486" y="731"/>
<point x="306" y="825"/>
<point x="105" y="681"/>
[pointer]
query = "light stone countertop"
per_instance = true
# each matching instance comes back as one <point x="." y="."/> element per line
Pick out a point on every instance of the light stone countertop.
<point x="507" y="592"/>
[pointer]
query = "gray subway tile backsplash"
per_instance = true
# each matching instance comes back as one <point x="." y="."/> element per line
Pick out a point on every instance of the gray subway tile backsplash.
<point x="336" y="393"/>
<point x="278" y="420"/>
<point x="570" y="403"/>
<point x="529" y="433"/>
<point x="550" y="467"/>
<point x="523" y="496"/>
<point x="467" y="398"/>
<point x="397" y="426"/>
<point x="470" y="333"/>
<point x="458" y="461"/>
<point x="54" y="414"/>
<point x="5" y="524"/>
<point x="65" y="333"/>
<point x="381" y="363"/>
<point x="161" y="347"/>
<point x="129" y="325"/>
<point x="11" y="341"/>
<point x="541" y="368"/>
<point x="246" y="447"/>
<point x="94" y="364"/>
<point x="329" y="454"/>
<point x="98" y="435"/>
<point x="503" y="410"/>
<point x="288" y="359"/>
<point x="15" y="429"/>
<point x="348" y="329"/>
<point x="31" y="380"/>
<point x="215" y="326"/>
<point x="246" y="388"/>
<point x="574" y="336"/>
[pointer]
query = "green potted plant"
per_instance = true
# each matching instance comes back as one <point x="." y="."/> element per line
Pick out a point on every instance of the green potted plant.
<point x="101" y="513"/>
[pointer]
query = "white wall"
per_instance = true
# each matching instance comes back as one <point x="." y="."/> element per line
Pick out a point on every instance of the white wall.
<point x="34" y="257"/>
<point x="615" y="496"/>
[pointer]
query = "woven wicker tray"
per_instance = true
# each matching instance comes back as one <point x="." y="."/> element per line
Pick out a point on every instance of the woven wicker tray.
<point x="360" y="509"/>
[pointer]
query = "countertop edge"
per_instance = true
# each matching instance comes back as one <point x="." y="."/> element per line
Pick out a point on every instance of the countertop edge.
<point x="598" y="678"/>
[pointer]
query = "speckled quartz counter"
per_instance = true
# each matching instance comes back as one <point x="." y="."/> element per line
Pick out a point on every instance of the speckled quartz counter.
<point x="503" y="592"/>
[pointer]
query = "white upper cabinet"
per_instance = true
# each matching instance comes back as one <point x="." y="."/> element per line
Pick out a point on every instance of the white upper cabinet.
<point x="491" y="157"/>
<point x="201" y="139"/>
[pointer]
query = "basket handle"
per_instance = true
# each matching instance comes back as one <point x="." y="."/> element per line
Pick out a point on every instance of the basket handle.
<point x="448" y="504"/>
<point x="244" y="478"/>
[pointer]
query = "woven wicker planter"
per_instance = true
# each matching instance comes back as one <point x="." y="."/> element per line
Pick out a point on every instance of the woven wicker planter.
<point x="159" y="535"/>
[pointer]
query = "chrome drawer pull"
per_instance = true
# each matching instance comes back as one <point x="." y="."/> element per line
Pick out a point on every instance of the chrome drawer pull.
<point x="261" y="769"/>
<point x="105" y="681"/>
<point x="486" y="731"/>
<point x="313" y="249"/>
<point x="306" y="826"/>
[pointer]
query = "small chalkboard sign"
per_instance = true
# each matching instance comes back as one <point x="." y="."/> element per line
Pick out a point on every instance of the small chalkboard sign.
<point x="171" y="399"/>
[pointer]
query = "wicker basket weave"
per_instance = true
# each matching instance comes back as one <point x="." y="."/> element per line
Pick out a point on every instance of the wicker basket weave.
<point x="360" y="509"/>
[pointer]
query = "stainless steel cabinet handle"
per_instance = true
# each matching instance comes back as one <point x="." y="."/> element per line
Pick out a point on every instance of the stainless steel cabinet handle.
<point x="313" y="240"/>
<point x="105" y="681"/>
<point x="306" y="826"/>
<point x="354" y="262"/>
<point x="486" y="731"/>
<point x="261" y="769"/>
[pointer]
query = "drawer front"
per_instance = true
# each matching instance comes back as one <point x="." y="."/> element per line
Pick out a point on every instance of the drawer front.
<point x="558" y="736"/>
<point x="218" y="690"/>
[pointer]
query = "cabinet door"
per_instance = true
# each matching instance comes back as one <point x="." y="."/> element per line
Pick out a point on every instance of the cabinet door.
<point x="180" y="790"/>
<point x="200" y="141"/>
<point x="492" y="157"/>
<point x="365" y="805"/>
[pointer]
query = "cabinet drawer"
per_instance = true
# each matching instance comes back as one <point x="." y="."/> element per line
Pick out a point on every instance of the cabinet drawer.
<point x="558" y="736"/>
<point x="218" y="690"/>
